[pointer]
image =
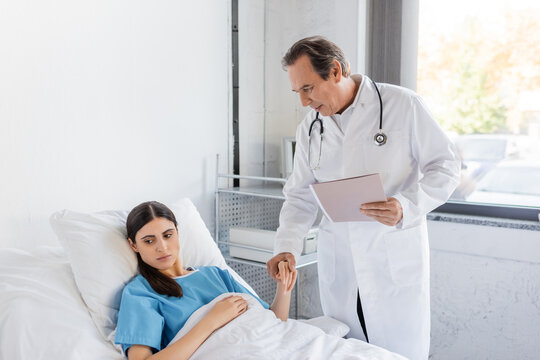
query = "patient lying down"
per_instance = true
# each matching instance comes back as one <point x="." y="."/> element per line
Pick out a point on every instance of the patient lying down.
<point x="156" y="304"/>
<point x="172" y="312"/>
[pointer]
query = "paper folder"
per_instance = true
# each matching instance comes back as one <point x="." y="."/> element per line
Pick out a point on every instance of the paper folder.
<point x="340" y="200"/>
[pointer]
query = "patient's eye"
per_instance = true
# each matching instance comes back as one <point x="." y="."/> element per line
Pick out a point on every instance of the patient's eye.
<point x="168" y="233"/>
<point x="148" y="241"/>
<point x="308" y="89"/>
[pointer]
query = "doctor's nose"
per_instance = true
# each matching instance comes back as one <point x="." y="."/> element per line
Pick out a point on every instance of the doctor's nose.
<point x="304" y="99"/>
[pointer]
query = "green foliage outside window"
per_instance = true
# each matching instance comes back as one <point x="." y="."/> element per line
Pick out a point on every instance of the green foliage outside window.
<point x="472" y="77"/>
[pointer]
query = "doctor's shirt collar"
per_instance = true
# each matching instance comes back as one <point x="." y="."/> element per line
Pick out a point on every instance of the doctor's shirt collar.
<point x="359" y="97"/>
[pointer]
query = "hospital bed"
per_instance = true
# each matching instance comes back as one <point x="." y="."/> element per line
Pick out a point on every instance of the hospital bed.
<point x="62" y="302"/>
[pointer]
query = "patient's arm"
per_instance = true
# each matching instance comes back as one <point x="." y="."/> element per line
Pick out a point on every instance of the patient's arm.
<point x="282" y="300"/>
<point x="223" y="311"/>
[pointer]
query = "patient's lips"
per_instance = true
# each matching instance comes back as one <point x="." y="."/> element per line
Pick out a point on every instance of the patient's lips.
<point x="164" y="258"/>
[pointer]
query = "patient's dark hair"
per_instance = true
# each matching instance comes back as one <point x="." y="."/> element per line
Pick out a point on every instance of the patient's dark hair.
<point x="141" y="215"/>
<point x="321" y="53"/>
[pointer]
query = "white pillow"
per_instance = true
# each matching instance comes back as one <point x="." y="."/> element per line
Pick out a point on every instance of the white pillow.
<point x="103" y="263"/>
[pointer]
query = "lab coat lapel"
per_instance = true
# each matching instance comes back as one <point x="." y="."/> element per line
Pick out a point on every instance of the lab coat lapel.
<point x="363" y="121"/>
<point x="331" y="164"/>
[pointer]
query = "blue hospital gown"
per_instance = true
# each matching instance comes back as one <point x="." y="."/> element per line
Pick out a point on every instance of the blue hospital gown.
<point x="148" y="318"/>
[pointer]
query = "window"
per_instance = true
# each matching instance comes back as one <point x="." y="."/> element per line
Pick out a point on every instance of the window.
<point x="479" y="72"/>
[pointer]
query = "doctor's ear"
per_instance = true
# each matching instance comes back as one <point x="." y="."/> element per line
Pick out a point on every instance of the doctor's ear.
<point x="335" y="71"/>
<point x="132" y="245"/>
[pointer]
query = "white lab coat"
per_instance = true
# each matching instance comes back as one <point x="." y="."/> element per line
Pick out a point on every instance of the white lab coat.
<point x="389" y="266"/>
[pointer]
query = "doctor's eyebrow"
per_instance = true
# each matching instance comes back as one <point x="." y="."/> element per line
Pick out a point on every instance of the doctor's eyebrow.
<point x="305" y="87"/>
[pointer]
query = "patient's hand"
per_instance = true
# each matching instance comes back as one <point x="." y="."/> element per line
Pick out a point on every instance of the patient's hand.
<point x="227" y="309"/>
<point x="221" y="313"/>
<point x="286" y="277"/>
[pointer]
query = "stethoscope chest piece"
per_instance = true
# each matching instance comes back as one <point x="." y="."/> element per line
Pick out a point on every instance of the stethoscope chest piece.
<point x="380" y="138"/>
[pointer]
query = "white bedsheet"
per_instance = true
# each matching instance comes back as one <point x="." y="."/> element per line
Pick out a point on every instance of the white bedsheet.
<point x="258" y="334"/>
<point x="42" y="315"/>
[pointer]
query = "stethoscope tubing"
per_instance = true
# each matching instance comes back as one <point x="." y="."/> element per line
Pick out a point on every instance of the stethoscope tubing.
<point x="380" y="106"/>
<point x="380" y="138"/>
<point x="313" y="123"/>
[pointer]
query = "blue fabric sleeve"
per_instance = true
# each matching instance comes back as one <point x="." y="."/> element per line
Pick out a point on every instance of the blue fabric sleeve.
<point x="241" y="289"/>
<point x="139" y="322"/>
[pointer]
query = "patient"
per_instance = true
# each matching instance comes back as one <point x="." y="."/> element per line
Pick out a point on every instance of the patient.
<point x="156" y="304"/>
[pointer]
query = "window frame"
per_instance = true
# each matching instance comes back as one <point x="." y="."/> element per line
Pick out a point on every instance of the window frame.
<point x="397" y="64"/>
<point x="513" y="212"/>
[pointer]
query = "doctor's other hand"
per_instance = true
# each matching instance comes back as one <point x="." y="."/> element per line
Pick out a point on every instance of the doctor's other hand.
<point x="287" y="278"/>
<point x="387" y="212"/>
<point x="273" y="268"/>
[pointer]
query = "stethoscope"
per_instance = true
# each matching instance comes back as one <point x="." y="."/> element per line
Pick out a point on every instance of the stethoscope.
<point x="380" y="137"/>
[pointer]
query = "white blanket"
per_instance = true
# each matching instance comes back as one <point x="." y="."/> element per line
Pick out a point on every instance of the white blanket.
<point x="258" y="334"/>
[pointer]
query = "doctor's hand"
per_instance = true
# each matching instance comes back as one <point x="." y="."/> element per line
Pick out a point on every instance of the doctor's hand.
<point x="387" y="212"/>
<point x="273" y="268"/>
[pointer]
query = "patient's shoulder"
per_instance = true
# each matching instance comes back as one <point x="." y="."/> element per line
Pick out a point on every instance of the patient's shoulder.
<point x="208" y="269"/>
<point x="137" y="285"/>
<point x="213" y="271"/>
<point x="136" y="281"/>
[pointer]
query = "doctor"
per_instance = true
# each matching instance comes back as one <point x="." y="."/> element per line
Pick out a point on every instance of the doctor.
<point x="374" y="276"/>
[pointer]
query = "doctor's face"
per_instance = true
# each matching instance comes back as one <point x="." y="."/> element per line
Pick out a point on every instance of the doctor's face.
<point x="313" y="90"/>
<point x="157" y="243"/>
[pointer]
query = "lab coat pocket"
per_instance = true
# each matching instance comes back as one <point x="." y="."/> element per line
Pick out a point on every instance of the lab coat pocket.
<point x="392" y="155"/>
<point x="404" y="251"/>
<point x="326" y="253"/>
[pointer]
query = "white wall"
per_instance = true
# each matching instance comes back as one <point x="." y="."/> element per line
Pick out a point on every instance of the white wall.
<point x="269" y="109"/>
<point x="104" y="104"/>
<point x="485" y="293"/>
<point x="251" y="62"/>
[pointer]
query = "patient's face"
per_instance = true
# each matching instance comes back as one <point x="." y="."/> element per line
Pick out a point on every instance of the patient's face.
<point x="157" y="243"/>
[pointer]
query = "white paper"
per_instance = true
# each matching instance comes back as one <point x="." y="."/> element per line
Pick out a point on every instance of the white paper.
<point x="340" y="200"/>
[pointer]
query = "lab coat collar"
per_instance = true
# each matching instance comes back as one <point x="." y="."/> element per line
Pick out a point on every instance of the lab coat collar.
<point x="361" y="96"/>
<point x="365" y="91"/>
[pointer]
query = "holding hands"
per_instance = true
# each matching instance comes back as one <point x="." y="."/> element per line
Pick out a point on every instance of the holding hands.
<point x="282" y="268"/>
<point x="286" y="277"/>
<point x="273" y="268"/>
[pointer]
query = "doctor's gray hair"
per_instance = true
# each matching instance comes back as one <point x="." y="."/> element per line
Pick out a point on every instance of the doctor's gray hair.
<point x="321" y="53"/>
